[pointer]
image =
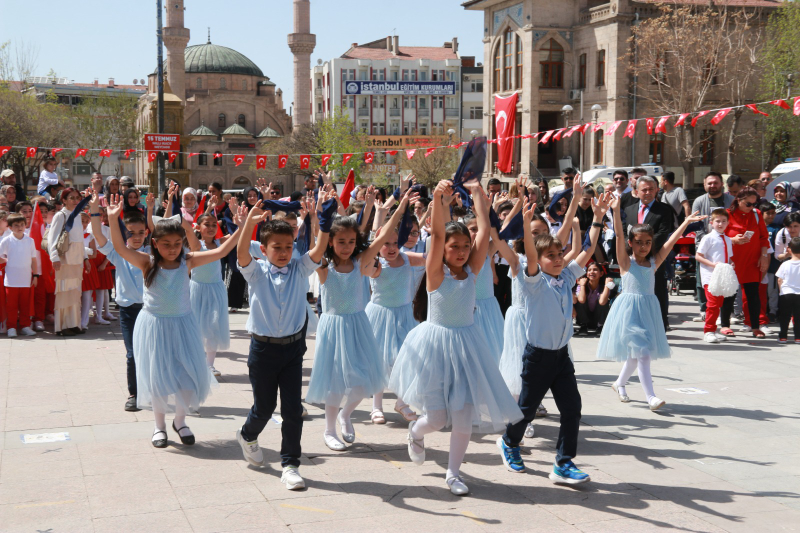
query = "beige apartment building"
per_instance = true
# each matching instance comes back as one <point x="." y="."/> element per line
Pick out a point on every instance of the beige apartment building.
<point x="568" y="53"/>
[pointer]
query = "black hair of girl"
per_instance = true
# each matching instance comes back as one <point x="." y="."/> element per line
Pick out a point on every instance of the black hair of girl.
<point x="163" y="228"/>
<point x="344" y="224"/>
<point x="200" y="220"/>
<point x="639" y="229"/>
<point x="744" y="193"/>
<point x="420" y="303"/>
<point x="603" y="274"/>
<point x="519" y="244"/>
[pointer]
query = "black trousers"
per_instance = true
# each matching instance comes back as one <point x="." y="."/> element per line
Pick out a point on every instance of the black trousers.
<point x="127" y="319"/>
<point x="542" y="370"/>
<point x="502" y="290"/>
<point x="788" y="308"/>
<point x="274" y="368"/>
<point x="237" y="289"/>
<point x="591" y="319"/>
<point x="661" y="292"/>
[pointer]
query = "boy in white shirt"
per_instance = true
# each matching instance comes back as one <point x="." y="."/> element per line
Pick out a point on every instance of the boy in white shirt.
<point x="788" y="276"/>
<point x="18" y="251"/>
<point x="715" y="248"/>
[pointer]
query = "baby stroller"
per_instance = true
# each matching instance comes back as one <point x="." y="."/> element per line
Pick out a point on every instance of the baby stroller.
<point x="684" y="267"/>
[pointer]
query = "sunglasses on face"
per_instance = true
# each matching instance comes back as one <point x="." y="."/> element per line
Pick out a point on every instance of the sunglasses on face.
<point x="749" y="204"/>
<point x="274" y="193"/>
<point x="620" y="179"/>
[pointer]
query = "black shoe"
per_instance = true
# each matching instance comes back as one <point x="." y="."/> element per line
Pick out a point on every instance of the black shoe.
<point x="668" y="328"/>
<point x="582" y="332"/>
<point x="66" y="332"/>
<point x="130" y="405"/>
<point x="186" y="440"/>
<point x="78" y="331"/>
<point x="160" y="443"/>
<point x="598" y="331"/>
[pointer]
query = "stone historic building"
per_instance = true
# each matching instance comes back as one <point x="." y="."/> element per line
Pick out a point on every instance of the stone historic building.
<point x="567" y="52"/>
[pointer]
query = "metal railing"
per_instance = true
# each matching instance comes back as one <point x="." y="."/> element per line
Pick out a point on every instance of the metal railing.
<point x="394" y="112"/>
<point x="451" y="112"/>
<point x="423" y="112"/>
<point x="363" y="112"/>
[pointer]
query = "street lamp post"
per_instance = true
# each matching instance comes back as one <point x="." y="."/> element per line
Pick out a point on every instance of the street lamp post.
<point x="160" y="102"/>
<point x="566" y="110"/>
<point x="596" y="108"/>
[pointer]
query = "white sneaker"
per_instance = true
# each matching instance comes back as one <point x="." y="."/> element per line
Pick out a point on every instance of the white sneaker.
<point x="766" y="331"/>
<point x="292" y="479"/>
<point x="529" y="431"/>
<point x="109" y="316"/>
<point x="656" y="403"/>
<point x="252" y="452"/>
<point x="28" y="331"/>
<point x="720" y="337"/>
<point x="100" y="320"/>
<point x="332" y="442"/>
<point x="12" y="332"/>
<point x="711" y="338"/>
<point x="38" y="326"/>
<point x="719" y="321"/>
<point x="416" y="458"/>
<point x="745" y="328"/>
<point x="700" y="318"/>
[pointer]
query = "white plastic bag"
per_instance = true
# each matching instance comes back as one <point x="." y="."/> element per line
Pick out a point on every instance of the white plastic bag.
<point x="723" y="281"/>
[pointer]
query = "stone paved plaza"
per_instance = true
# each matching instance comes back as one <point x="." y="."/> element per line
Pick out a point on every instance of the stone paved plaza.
<point x="727" y="460"/>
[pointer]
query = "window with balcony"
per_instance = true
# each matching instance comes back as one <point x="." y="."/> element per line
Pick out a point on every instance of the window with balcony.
<point x="582" y="71"/>
<point x="423" y="102"/>
<point x="551" y="61"/>
<point x="601" y="68"/>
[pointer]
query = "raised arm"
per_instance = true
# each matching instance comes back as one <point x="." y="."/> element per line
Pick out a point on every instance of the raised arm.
<point x="150" y="202"/>
<point x="677" y="234"/>
<point x="577" y="242"/>
<point x="480" y="247"/>
<point x="600" y="210"/>
<point x="97" y="226"/>
<point x="369" y="204"/>
<point x="255" y="216"/>
<point x="619" y="236"/>
<point x="528" y="210"/>
<point x="366" y="258"/>
<point x="505" y="250"/>
<point x="434" y="264"/>
<point x="321" y="243"/>
<point x="191" y="237"/>
<point x="140" y="260"/>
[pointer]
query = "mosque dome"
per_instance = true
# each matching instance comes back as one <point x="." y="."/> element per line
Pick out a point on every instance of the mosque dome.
<point x="212" y="58"/>
<point x="235" y="129"/>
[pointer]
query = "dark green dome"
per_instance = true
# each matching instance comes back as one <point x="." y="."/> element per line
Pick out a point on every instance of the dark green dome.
<point x="204" y="58"/>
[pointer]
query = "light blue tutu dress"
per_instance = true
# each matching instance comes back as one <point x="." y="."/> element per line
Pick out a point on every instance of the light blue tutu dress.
<point x="634" y="326"/>
<point x="167" y="346"/>
<point x="487" y="311"/>
<point x="390" y="311"/>
<point x="416" y="272"/>
<point x="209" y="298"/>
<point x="444" y="363"/>
<point x="514" y="339"/>
<point x="347" y="356"/>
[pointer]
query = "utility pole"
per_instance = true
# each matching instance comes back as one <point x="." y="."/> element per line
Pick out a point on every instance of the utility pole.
<point x="160" y="101"/>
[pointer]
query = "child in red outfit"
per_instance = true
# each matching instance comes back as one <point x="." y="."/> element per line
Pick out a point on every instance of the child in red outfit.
<point x="18" y="252"/>
<point x="715" y="248"/>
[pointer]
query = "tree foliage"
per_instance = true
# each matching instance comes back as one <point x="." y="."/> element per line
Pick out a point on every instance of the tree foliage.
<point x="439" y="165"/>
<point x="105" y="121"/>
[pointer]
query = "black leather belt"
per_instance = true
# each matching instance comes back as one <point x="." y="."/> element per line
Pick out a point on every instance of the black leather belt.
<point x="280" y="340"/>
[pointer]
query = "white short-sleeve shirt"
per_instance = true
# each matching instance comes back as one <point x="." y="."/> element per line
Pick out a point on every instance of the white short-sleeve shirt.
<point x="19" y="253"/>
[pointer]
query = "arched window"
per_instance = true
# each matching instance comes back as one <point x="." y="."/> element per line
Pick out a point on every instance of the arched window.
<point x="241" y="182"/>
<point x="202" y="159"/>
<point x="497" y="66"/>
<point x="222" y="122"/>
<point x="598" y="147"/>
<point x="222" y="83"/>
<point x="551" y="60"/>
<point x="509" y="59"/>
<point x="217" y="159"/>
<point x="199" y="83"/>
<point x="241" y="121"/>
<point x="519" y="63"/>
<point x="244" y="85"/>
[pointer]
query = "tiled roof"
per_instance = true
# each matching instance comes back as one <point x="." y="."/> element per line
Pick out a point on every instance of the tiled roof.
<point x="141" y="88"/>
<point x="735" y="3"/>
<point x="436" y="53"/>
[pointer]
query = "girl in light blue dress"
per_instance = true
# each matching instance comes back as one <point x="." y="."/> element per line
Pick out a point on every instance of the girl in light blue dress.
<point x="634" y="330"/>
<point x="209" y="296"/>
<point x="171" y="369"/>
<point x="415" y="244"/>
<point x="444" y="367"/>
<point x="390" y="314"/>
<point x="348" y="364"/>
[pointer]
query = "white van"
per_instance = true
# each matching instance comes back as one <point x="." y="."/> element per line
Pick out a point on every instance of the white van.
<point x="790" y="164"/>
<point x="603" y="176"/>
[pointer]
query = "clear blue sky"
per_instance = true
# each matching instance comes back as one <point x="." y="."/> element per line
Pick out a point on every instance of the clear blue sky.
<point x="115" y="38"/>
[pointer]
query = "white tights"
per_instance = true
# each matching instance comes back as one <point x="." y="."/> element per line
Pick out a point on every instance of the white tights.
<point x="180" y="413"/>
<point x="211" y="355"/>
<point x="459" y="435"/>
<point x="332" y="409"/>
<point x="377" y="402"/>
<point x="645" y="378"/>
<point x="86" y="306"/>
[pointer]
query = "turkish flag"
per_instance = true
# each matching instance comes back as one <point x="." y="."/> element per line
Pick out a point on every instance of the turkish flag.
<point x="346" y="158"/>
<point x="429" y="151"/>
<point x="238" y="159"/>
<point x="533" y="137"/>
<point x="171" y="156"/>
<point x="796" y="110"/>
<point x="4" y="150"/>
<point x="349" y="185"/>
<point x="192" y="154"/>
<point x="585" y="128"/>
<point x="369" y="157"/>
<point x="305" y="160"/>
<point x="599" y="126"/>
<point x="557" y="135"/>
<point x="754" y="109"/>
<point x="780" y="102"/>
<point x="55" y="151"/>
<point x="391" y="152"/>
<point x="81" y="152"/>
<point x="546" y="137"/>
<point x="701" y="114"/>
<point x="217" y="155"/>
<point x="30" y="151"/>
<point x="282" y="160"/>
<point x="151" y="156"/>
<point x="491" y="141"/>
<point x="261" y="161"/>
<point x="682" y="119"/>
<point x="649" y="123"/>
<point x="720" y="115"/>
<point x="505" y="120"/>
<point x="410" y="153"/>
<point x="631" y="128"/>
<point x="661" y="125"/>
<point x="614" y="126"/>
<point x="105" y="153"/>
<point x="325" y="159"/>
<point x="128" y="153"/>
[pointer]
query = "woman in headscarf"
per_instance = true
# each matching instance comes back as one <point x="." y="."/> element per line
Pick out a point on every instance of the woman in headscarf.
<point x="131" y="202"/>
<point x="111" y="186"/>
<point x="190" y="204"/>
<point x="784" y="202"/>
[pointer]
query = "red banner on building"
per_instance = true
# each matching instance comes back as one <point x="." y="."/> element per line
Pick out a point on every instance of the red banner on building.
<point x="162" y="142"/>
<point x="505" y="119"/>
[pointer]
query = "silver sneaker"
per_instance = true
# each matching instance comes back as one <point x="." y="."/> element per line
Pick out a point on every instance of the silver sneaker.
<point x="292" y="479"/>
<point x="252" y="452"/>
<point x="457" y="486"/>
<point x="416" y="458"/>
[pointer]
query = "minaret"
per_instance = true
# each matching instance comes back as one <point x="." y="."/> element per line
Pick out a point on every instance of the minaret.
<point x="302" y="43"/>
<point x="176" y="37"/>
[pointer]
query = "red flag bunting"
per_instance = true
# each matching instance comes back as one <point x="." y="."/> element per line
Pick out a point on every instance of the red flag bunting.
<point x="261" y="161"/>
<point x="172" y="155"/>
<point x="31" y="151"/>
<point x="349" y="185"/>
<point x="429" y="151"/>
<point x="4" y="150"/>
<point x="796" y="110"/>
<point x="491" y="141"/>
<point x="599" y="126"/>
<point x="151" y="156"/>
<point x="81" y="152"/>
<point x="701" y="114"/>
<point x="192" y="154"/>
<point x="238" y="159"/>
<point x="105" y="153"/>
<point x="392" y="152"/>
<point x="346" y="158"/>
<point x="505" y="118"/>
<point x="218" y="155"/>
<point x="585" y="128"/>
<point x="649" y="123"/>
<point x="369" y="157"/>
<point x="55" y="151"/>
<point x="572" y="130"/>
<point x="128" y="153"/>
<point x="410" y="153"/>
<point x="780" y="102"/>
<point x="682" y="119"/>
<point x="325" y="159"/>
<point x="546" y="137"/>
<point x="754" y="109"/>
<point x="613" y="127"/>
<point x="557" y="136"/>
<point x="661" y="125"/>
<point x="305" y="160"/>
<point x="282" y="160"/>
<point x="720" y="115"/>
<point x="631" y="128"/>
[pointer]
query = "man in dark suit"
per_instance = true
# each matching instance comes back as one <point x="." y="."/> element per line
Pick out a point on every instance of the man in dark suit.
<point x="660" y="217"/>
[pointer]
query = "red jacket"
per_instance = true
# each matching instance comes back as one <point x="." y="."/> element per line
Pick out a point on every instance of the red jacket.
<point x="747" y="256"/>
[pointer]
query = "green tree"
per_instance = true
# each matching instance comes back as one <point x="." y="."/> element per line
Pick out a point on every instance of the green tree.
<point x="441" y="164"/>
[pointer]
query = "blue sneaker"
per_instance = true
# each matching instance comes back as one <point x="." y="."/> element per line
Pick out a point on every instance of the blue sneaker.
<point x="569" y="474"/>
<point x="510" y="456"/>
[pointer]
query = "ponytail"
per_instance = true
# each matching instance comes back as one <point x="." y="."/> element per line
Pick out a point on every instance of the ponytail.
<point x="420" y="302"/>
